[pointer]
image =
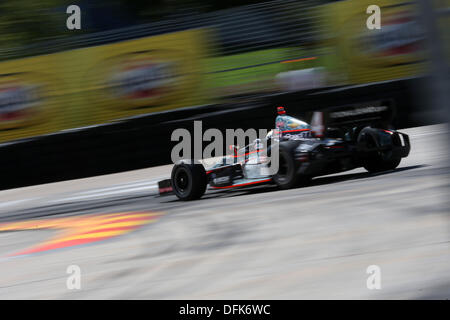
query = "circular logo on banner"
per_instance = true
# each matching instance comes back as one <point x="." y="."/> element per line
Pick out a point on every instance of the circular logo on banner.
<point x="141" y="80"/>
<point x="21" y="101"/>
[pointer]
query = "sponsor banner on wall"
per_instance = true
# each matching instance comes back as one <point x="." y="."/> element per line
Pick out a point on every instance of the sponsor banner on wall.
<point x="142" y="76"/>
<point x="396" y="50"/>
<point x="29" y="98"/>
<point x="100" y="84"/>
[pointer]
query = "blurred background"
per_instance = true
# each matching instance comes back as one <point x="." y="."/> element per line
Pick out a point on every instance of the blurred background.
<point x="69" y="99"/>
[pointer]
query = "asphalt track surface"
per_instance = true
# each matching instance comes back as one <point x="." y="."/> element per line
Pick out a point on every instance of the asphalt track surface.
<point x="258" y="243"/>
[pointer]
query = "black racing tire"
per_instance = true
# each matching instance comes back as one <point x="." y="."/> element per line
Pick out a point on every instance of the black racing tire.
<point x="287" y="176"/>
<point x="378" y="164"/>
<point x="189" y="181"/>
<point x="377" y="161"/>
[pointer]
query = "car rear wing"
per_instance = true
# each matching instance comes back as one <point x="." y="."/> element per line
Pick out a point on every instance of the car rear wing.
<point x="376" y="113"/>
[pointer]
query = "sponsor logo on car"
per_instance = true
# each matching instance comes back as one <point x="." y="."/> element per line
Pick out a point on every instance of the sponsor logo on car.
<point x="358" y="111"/>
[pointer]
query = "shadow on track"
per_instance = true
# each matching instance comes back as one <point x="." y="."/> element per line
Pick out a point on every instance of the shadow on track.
<point x="315" y="182"/>
<point x="361" y="175"/>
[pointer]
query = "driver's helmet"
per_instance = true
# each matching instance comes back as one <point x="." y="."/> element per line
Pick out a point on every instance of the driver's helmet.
<point x="287" y="124"/>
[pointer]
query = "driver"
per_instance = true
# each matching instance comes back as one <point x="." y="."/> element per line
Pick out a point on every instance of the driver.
<point x="291" y="128"/>
<point x="287" y="128"/>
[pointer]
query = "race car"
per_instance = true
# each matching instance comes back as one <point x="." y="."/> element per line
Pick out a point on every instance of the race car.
<point x="356" y="137"/>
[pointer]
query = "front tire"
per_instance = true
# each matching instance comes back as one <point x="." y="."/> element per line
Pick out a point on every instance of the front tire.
<point x="287" y="176"/>
<point x="189" y="181"/>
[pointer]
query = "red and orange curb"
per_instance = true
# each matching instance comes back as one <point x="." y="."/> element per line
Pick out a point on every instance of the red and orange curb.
<point x="82" y="229"/>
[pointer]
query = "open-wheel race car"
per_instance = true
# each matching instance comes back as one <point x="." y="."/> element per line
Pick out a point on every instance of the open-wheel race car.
<point x="353" y="137"/>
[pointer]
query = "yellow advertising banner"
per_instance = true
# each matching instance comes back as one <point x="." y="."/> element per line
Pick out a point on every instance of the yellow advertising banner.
<point x="396" y="50"/>
<point x="100" y="84"/>
<point x="29" y="98"/>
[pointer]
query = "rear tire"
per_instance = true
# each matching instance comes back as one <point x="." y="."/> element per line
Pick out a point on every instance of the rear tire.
<point x="287" y="176"/>
<point x="189" y="181"/>
<point x="376" y="161"/>
<point x="378" y="164"/>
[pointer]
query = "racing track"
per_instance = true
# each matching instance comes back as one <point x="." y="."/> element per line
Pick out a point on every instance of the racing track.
<point x="313" y="242"/>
